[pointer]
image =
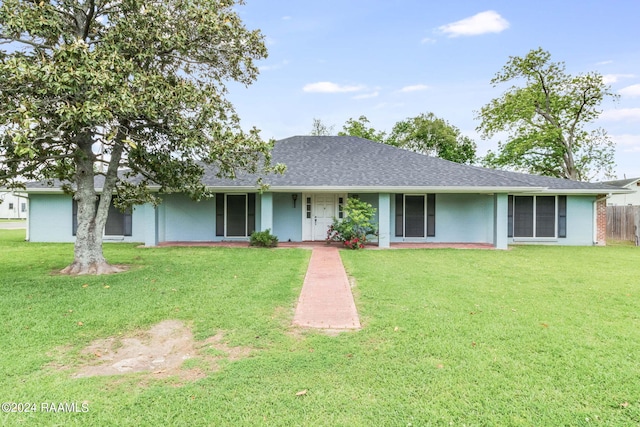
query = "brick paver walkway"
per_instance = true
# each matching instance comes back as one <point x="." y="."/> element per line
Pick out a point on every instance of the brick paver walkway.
<point x="326" y="300"/>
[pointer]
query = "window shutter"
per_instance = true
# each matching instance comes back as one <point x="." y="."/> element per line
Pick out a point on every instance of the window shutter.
<point x="251" y="214"/>
<point x="74" y="217"/>
<point x="128" y="224"/>
<point x="510" y="217"/>
<point x="399" y="219"/>
<point x="562" y="216"/>
<point x="431" y="215"/>
<point x="219" y="214"/>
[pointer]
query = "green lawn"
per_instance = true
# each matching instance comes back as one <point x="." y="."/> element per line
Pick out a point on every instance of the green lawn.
<point x="534" y="336"/>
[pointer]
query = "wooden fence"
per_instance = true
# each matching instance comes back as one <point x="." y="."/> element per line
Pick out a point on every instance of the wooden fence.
<point x="623" y="223"/>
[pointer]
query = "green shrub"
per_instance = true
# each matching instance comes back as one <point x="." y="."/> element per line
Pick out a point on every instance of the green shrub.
<point x="356" y="225"/>
<point x="263" y="239"/>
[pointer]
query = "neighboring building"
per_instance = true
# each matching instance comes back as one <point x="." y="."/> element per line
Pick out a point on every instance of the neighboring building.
<point x="418" y="199"/>
<point x="631" y="198"/>
<point x="12" y="206"/>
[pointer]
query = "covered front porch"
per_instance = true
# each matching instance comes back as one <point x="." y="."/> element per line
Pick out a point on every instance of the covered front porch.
<point x="402" y="218"/>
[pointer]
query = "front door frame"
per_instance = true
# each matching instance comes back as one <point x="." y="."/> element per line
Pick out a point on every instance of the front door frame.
<point x="310" y="210"/>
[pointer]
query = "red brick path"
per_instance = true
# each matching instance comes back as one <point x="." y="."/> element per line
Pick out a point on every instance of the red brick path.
<point x="326" y="300"/>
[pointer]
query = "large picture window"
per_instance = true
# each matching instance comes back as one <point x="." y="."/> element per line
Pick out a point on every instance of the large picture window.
<point x="415" y="215"/>
<point x="538" y="216"/>
<point x="118" y="222"/>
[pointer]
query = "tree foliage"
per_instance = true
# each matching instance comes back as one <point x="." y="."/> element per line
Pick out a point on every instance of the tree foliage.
<point x="360" y="127"/>
<point x="425" y="134"/>
<point x="546" y="119"/>
<point x="130" y="84"/>
<point x="431" y="135"/>
<point x="320" y="129"/>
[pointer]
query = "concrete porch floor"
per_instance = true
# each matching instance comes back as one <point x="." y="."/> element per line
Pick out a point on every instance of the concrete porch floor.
<point x="311" y="245"/>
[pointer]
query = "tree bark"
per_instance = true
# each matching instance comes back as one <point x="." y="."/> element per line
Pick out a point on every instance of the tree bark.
<point x="91" y="217"/>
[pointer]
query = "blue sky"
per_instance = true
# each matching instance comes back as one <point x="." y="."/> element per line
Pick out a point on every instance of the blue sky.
<point x="389" y="60"/>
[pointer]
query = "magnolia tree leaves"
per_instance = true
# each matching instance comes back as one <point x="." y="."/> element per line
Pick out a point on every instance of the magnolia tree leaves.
<point x="124" y="89"/>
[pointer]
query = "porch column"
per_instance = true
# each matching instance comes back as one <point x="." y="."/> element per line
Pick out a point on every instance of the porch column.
<point x="266" y="211"/>
<point x="150" y="225"/>
<point x="500" y="221"/>
<point x="384" y="220"/>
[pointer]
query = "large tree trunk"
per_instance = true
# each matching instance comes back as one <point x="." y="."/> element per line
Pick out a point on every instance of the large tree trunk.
<point x="91" y="217"/>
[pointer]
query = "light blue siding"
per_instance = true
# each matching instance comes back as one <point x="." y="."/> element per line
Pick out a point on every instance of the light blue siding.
<point x="464" y="218"/>
<point x="287" y="220"/>
<point x="460" y="218"/>
<point x="265" y="212"/>
<point x="51" y="220"/>
<point x="384" y="223"/>
<point x="501" y="221"/>
<point x="580" y="221"/>
<point x="580" y="225"/>
<point x="182" y="219"/>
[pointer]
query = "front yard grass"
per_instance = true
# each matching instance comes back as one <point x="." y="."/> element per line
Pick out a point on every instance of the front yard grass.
<point x="541" y="336"/>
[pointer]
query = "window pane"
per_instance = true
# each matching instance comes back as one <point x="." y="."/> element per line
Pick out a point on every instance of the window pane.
<point x="115" y="222"/>
<point x="236" y="215"/>
<point x="414" y="216"/>
<point x="545" y="216"/>
<point x="523" y="216"/>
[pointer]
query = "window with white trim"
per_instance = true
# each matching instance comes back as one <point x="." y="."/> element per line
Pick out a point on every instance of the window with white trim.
<point x="537" y="216"/>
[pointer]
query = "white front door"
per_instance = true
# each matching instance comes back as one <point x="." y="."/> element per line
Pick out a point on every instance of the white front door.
<point x="323" y="212"/>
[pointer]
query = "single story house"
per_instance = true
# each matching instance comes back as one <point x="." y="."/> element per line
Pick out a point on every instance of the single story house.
<point x="632" y="198"/>
<point x="12" y="206"/>
<point x="418" y="198"/>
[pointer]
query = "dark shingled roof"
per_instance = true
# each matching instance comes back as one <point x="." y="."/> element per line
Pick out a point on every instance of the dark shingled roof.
<point x="356" y="164"/>
<point x="347" y="161"/>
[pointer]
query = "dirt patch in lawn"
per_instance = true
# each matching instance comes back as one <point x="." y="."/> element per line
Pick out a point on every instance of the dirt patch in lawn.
<point x="166" y="350"/>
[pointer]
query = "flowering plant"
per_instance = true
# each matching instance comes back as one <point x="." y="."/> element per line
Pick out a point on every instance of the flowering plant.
<point x="354" y="228"/>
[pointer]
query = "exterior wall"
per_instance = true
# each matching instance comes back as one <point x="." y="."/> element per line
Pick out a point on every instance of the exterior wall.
<point x="287" y="220"/>
<point x="51" y="220"/>
<point x="182" y="219"/>
<point x="464" y="218"/>
<point x="460" y="218"/>
<point x="12" y="206"/>
<point x="580" y="225"/>
<point x="626" y="199"/>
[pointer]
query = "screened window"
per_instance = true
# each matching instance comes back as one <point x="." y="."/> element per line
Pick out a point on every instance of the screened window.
<point x="118" y="223"/>
<point x="537" y="216"/>
<point x="415" y="215"/>
<point x="235" y="214"/>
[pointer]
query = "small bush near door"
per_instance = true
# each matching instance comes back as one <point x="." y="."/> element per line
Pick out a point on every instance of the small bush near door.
<point x="263" y="239"/>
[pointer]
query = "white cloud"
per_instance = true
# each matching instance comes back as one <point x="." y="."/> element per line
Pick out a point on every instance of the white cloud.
<point x="628" y="143"/>
<point x="481" y="23"/>
<point x="622" y="114"/>
<point x="329" y="87"/>
<point x="286" y="18"/>
<point x="414" y="88"/>
<point x="608" y="61"/>
<point x="613" y="78"/>
<point x="428" y="40"/>
<point x="367" y="95"/>
<point x="273" y="67"/>
<point x="630" y="91"/>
